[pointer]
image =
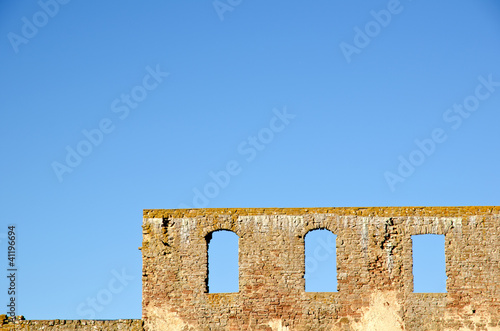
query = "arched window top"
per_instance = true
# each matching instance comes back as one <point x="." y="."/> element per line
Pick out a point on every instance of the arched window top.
<point x="226" y="232"/>
<point x="318" y="229"/>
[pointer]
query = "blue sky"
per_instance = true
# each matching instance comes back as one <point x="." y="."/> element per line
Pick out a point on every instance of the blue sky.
<point x="302" y="104"/>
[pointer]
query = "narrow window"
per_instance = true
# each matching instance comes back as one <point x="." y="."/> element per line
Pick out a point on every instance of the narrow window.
<point x="321" y="261"/>
<point x="222" y="270"/>
<point x="429" y="266"/>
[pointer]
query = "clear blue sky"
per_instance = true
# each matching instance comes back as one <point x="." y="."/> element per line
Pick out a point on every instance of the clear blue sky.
<point x="301" y="103"/>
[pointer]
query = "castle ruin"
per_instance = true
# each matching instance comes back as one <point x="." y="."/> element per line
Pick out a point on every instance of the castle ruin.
<point x="374" y="271"/>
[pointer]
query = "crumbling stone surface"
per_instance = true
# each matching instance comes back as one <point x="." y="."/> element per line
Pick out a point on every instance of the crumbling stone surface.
<point x="374" y="270"/>
<point x="84" y="325"/>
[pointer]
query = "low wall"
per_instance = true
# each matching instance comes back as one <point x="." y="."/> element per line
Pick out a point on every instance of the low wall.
<point x="83" y="325"/>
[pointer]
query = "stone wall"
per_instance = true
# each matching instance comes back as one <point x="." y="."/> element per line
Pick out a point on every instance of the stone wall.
<point x="374" y="270"/>
<point x="83" y="325"/>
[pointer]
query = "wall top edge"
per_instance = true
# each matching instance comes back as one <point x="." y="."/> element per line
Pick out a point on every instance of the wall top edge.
<point x="450" y="211"/>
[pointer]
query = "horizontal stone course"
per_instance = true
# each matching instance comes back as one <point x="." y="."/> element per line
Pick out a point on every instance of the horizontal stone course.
<point x="83" y="325"/>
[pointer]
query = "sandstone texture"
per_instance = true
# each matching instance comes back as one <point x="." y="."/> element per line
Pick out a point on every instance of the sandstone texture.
<point x="84" y="325"/>
<point x="374" y="270"/>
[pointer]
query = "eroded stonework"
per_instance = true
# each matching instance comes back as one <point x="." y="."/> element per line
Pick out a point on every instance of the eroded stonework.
<point x="374" y="270"/>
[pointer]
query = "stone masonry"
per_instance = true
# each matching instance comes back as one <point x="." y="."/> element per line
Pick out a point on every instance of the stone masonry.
<point x="60" y="325"/>
<point x="374" y="270"/>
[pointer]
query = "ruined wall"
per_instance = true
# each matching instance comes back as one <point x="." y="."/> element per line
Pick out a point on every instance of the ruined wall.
<point x="374" y="270"/>
<point x="83" y="325"/>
